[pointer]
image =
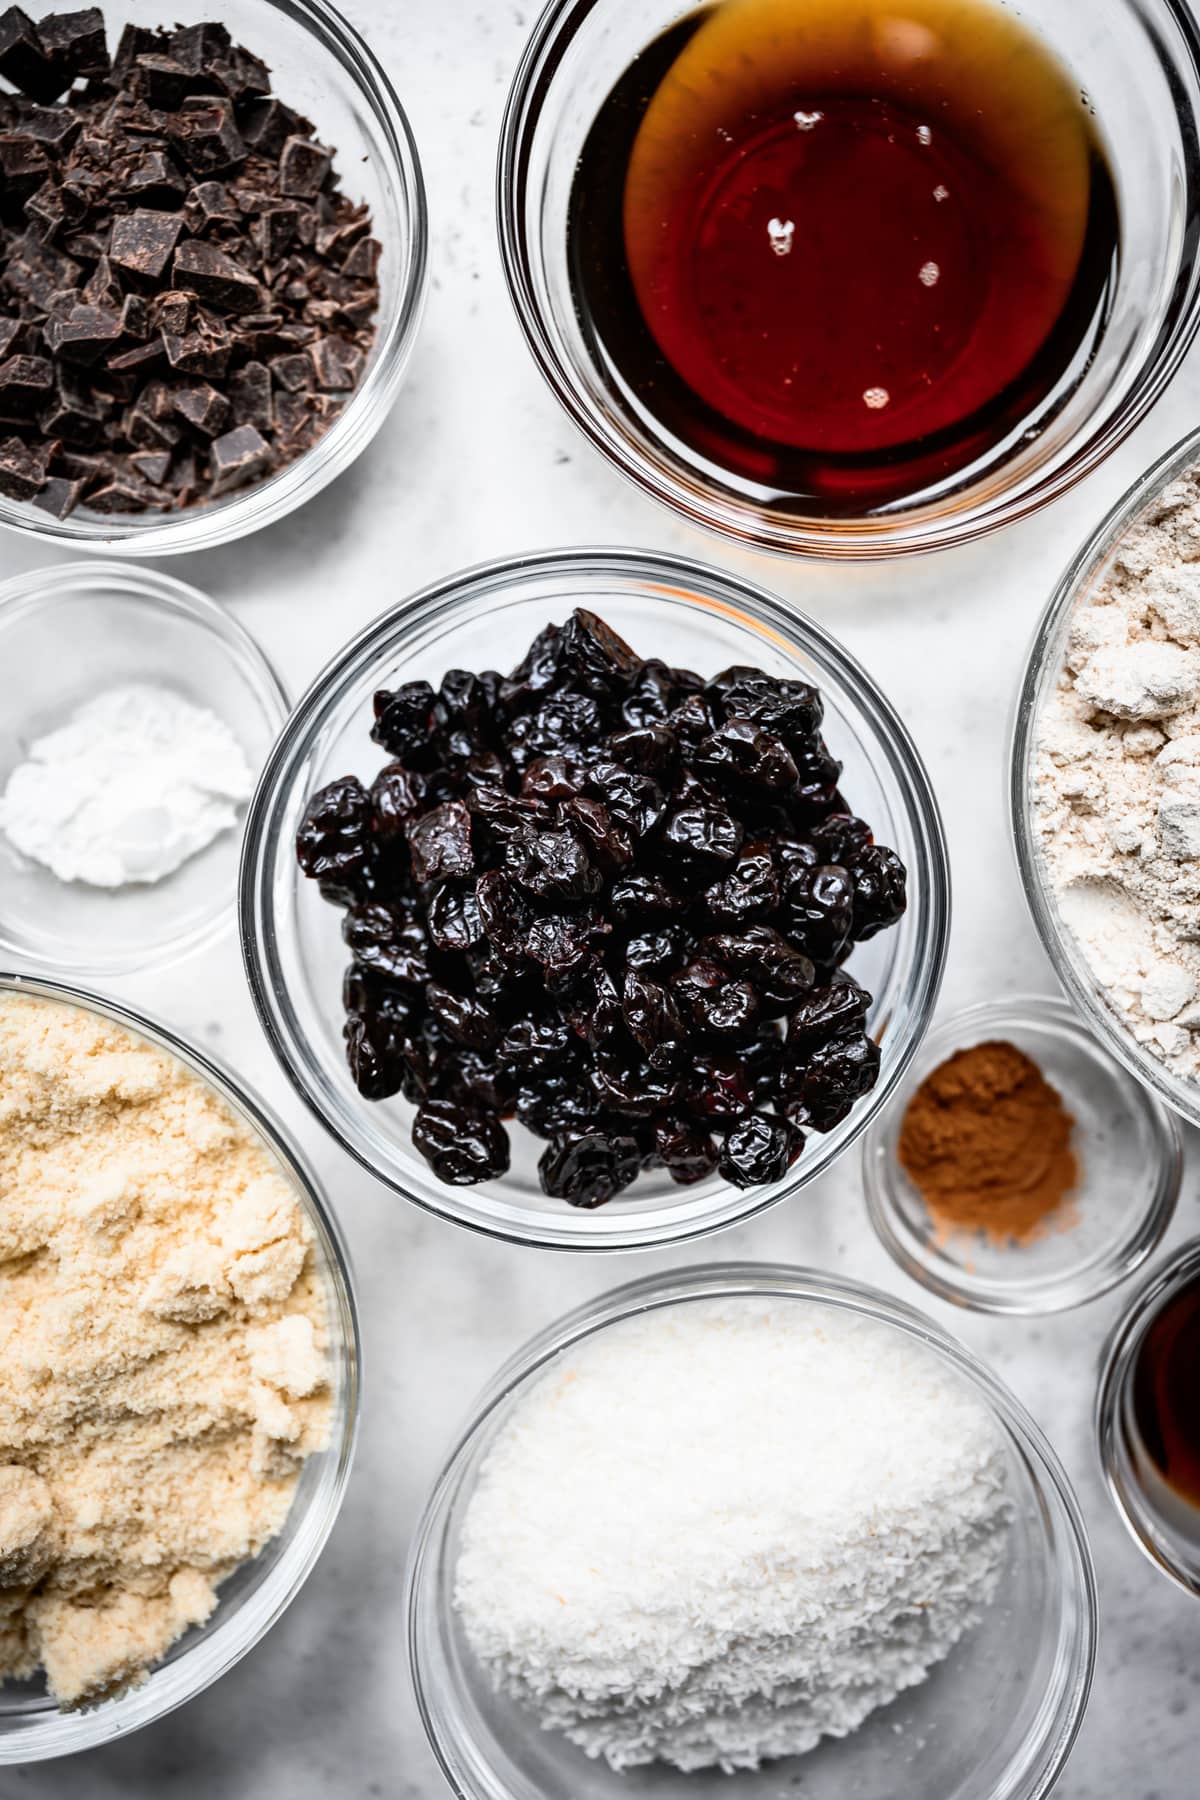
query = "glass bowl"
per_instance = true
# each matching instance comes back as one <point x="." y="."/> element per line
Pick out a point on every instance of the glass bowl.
<point x="687" y="614"/>
<point x="1087" y="570"/>
<point x="32" y="1726"/>
<point x="123" y="624"/>
<point x="322" y="67"/>
<point x="1130" y="1160"/>
<point x="997" y="1718"/>
<point x="1136" y="60"/>
<point x="1160" y="1523"/>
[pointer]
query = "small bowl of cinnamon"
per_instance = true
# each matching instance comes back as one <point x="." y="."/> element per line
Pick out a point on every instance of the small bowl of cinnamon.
<point x="1019" y="1169"/>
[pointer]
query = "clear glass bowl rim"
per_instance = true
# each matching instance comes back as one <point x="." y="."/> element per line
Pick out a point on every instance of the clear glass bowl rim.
<point x="1116" y="1365"/>
<point x="27" y="593"/>
<point x="1008" y="1298"/>
<point x="920" y="530"/>
<point x="267" y="502"/>
<point x="722" y="1281"/>
<point x="460" y="592"/>
<point x="1056" y="939"/>
<point x="198" y="1666"/>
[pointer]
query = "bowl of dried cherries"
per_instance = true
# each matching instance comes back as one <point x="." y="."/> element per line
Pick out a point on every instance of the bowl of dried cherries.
<point x="212" y="266"/>
<point x="615" y="943"/>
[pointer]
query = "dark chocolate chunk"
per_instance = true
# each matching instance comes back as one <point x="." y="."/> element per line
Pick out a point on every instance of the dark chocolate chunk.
<point x="203" y="408"/>
<point x="22" y="473"/>
<point x="205" y="134"/>
<point x="250" y="396"/>
<point x="219" y="280"/>
<point x="142" y="241"/>
<point x="85" y="334"/>
<point x="24" y="59"/>
<point x="60" y="496"/>
<point x="75" y="43"/>
<point x="267" y="124"/>
<point x="303" y="168"/>
<point x="242" y="455"/>
<point x="26" y="383"/>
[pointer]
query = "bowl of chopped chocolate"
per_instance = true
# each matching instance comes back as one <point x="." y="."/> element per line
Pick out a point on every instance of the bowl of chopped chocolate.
<point x="212" y="267"/>
<point x="613" y="949"/>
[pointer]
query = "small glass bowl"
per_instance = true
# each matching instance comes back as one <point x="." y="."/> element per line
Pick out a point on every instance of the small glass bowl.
<point x="123" y="624"/>
<point x="1044" y="664"/>
<point x="690" y="615"/>
<point x="1130" y="1165"/>
<point x="998" y="1718"/>
<point x="1138" y="62"/>
<point x="32" y="1726"/>
<point x="1160" y="1523"/>
<point x="321" y="67"/>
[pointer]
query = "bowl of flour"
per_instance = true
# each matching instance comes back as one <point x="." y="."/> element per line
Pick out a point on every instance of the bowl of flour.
<point x="744" y="1529"/>
<point x="126" y="766"/>
<point x="1105" y="780"/>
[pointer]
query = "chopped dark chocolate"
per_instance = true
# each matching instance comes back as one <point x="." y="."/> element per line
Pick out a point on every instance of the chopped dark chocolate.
<point x="202" y="407"/>
<point x="242" y="455"/>
<point x="22" y="474"/>
<point x="187" y="299"/>
<point x="142" y="241"/>
<point x="59" y="495"/>
<point x="217" y="279"/>
<point x="24" y="59"/>
<point x="303" y="167"/>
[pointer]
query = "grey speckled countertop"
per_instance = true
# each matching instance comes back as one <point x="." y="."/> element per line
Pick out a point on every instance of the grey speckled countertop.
<point x="477" y="461"/>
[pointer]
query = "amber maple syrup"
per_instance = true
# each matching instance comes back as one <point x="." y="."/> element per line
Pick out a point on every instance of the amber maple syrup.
<point x="841" y="250"/>
<point x="1165" y="1395"/>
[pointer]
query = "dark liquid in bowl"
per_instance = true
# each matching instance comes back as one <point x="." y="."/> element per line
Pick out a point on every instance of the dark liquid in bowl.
<point x="1166" y="1393"/>
<point x="840" y="250"/>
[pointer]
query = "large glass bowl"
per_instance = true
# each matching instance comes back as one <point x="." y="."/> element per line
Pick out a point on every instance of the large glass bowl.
<point x="996" y="1719"/>
<point x="321" y="67"/>
<point x="1085" y="573"/>
<point x="1137" y="62"/>
<point x="32" y="1727"/>
<point x="685" y="613"/>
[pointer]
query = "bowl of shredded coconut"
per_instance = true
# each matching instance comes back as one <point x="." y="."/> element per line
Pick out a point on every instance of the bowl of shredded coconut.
<point x="743" y="1529"/>
<point x="1105" y="779"/>
<point x="178" y="1371"/>
<point x="126" y="768"/>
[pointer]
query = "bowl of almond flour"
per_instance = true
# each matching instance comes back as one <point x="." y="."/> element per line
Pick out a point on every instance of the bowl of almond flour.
<point x="1105" y="780"/>
<point x="745" y="1531"/>
<point x="178" y="1371"/>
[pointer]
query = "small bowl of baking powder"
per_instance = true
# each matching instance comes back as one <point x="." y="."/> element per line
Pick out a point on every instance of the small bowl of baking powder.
<point x="125" y="767"/>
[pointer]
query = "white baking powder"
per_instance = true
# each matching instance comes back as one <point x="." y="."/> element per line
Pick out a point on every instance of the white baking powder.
<point x="1116" y="780"/>
<point x="133" y="784"/>
<point x="718" y="1532"/>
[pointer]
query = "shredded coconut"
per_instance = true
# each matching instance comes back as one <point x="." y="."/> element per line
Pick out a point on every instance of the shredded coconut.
<point x="133" y="784"/>
<point x="721" y="1531"/>
<point x="163" y="1364"/>
<point x="1116" y="780"/>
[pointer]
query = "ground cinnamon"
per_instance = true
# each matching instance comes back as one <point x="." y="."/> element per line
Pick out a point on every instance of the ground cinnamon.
<point x="987" y="1141"/>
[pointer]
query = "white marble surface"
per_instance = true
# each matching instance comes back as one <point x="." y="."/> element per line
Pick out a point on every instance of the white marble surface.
<point x="477" y="462"/>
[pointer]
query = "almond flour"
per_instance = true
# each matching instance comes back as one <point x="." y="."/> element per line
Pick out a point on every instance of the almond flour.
<point x="163" y="1359"/>
<point x="1115" y="780"/>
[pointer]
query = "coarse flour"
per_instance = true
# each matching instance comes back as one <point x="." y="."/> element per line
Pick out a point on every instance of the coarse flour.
<point x="126" y="790"/>
<point x="720" y="1531"/>
<point x="1116" y="780"/>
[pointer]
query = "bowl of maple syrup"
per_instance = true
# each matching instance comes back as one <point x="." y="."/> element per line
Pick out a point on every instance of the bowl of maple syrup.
<point x="1148" y="1417"/>
<point x="855" y="277"/>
